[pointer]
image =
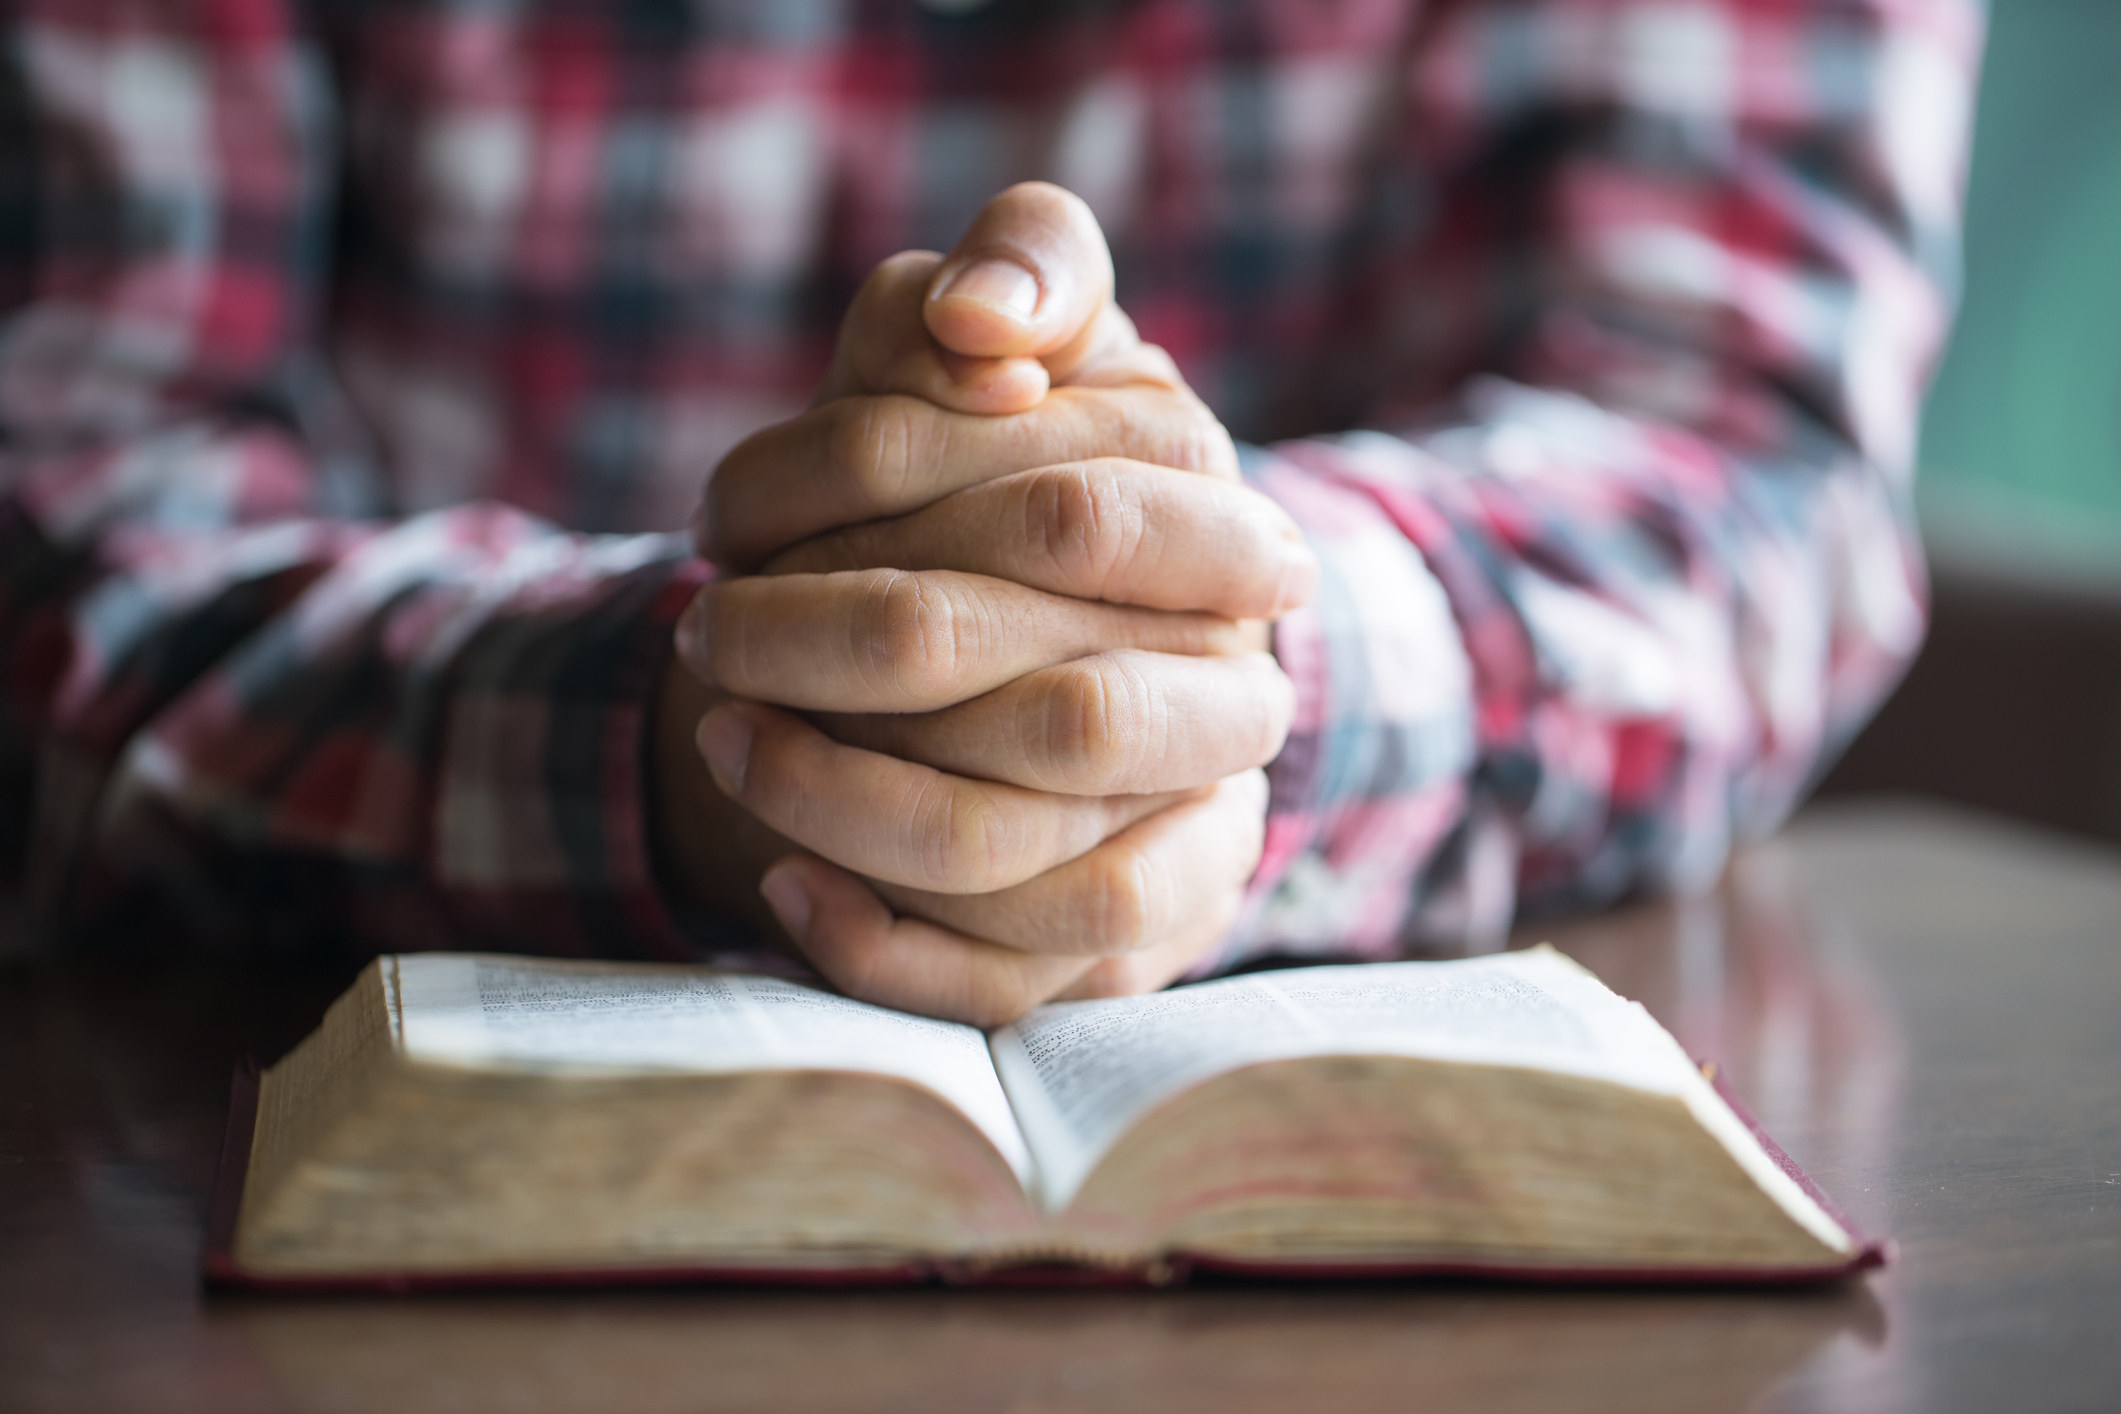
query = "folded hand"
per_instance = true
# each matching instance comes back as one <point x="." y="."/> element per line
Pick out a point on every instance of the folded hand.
<point x="1007" y="579"/>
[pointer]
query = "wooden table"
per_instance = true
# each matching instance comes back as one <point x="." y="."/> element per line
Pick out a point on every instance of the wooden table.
<point x="1924" y="1007"/>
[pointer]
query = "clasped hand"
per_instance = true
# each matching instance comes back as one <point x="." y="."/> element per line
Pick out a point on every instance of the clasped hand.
<point x="983" y="693"/>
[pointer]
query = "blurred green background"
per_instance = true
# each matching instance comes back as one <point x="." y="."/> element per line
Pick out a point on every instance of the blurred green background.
<point x="2021" y="450"/>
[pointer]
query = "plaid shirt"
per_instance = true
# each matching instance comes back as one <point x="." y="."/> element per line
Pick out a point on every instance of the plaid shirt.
<point x="358" y="355"/>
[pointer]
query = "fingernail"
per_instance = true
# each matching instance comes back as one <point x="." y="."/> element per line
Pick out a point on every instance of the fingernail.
<point x="1299" y="578"/>
<point x="694" y="636"/>
<point x="1004" y="284"/>
<point x="790" y="902"/>
<point x="725" y="740"/>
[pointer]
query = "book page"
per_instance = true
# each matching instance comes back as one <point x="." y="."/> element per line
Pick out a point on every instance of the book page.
<point x="523" y="1013"/>
<point x="1081" y="1073"/>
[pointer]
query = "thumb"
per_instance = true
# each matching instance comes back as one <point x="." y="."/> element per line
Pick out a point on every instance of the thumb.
<point x="1032" y="278"/>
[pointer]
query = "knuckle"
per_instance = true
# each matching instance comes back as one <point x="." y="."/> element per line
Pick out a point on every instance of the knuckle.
<point x="969" y="843"/>
<point x="1117" y="902"/>
<point x="908" y="637"/>
<point x="1089" y="525"/>
<point x="1197" y="441"/>
<point x="874" y="445"/>
<point x="1098" y="724"/>
<point x="1164" y="426"/>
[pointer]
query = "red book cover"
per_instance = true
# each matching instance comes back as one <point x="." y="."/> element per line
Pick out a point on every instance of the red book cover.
<point x="221" y="1269"/>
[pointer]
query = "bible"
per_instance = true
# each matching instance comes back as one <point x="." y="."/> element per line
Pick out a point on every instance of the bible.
<point x="480" y="1119"/>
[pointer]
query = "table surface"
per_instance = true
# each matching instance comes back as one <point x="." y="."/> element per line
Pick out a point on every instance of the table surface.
<point x="1923" y="1006"/>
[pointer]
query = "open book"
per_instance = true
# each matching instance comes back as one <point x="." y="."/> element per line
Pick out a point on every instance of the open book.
<point x="482" y="1118"/>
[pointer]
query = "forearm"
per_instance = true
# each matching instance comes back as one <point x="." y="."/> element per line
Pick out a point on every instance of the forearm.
<point x="1581" y="679"/>
<point x="305" y="734"/>
<point x="1653" y="382"/>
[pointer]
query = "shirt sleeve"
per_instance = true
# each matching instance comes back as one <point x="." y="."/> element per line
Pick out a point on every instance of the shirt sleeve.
<point x="1632" y="554"/>
<point x="235" y="701"/>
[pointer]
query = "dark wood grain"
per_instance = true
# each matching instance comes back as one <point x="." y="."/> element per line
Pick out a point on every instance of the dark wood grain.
<point x="1924" y="1007"/>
